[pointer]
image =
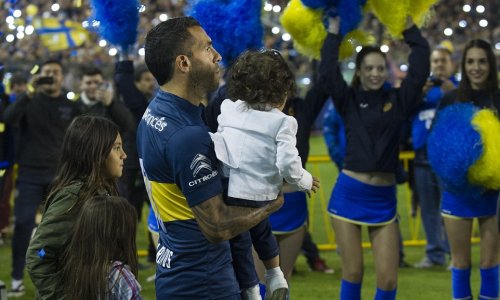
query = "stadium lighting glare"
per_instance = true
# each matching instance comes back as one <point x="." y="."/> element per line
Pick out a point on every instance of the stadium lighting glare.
<point x="466" y="8"/>
<point x="275" y="30"/>
<point x="480" y="9"/>
<point x="403" y="68"/>
<point x="276" y="8"/>
<point x="286" y="37"/>
<point x="102" y="43"/>
<point x="142" y="8"/>
<point x="20" y="28"/>
<point x="142" y="52"/>
<point x="70" y="95"/>
<point x="163" y="17"/>
<point x="29" y="29"/>
<point x="358" y="48"/>
<point x="306" y="81"/>
<point x="10" y="38"/>
<point x="483" y="23"/>
<point x="448" y="31"/>
<point x="17" y="13"/>
<point x="113" y="51"/>
<point x="351" y="65"/>
<point x="9" y="20"/>
<point x="384" y="48"/>
<point x="55" y="7"/>
<point x="497" y="46"/>
<point x="462" y="23"/>
<point x="12" y="27"/>
<point x="268" y="7"/>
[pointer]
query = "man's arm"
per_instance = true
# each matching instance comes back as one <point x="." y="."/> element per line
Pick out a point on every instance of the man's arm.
<point x="220" y="222"/>
<point x="194" y="163"/>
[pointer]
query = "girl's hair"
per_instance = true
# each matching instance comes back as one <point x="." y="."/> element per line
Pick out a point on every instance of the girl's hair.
<point x="104" y="232"/>
<point x="261" y="78"/>
<point x="359" y="60"/>
<point x="87" y="143"/>
<point x="491" y="85"/>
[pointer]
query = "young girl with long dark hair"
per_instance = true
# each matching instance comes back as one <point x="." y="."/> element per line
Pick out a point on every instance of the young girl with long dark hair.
<point x="91" y="161"/>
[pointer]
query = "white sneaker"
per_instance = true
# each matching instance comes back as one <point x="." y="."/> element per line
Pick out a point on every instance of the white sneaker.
<point x="16" y="291"/>
<point x="276" y="287"/>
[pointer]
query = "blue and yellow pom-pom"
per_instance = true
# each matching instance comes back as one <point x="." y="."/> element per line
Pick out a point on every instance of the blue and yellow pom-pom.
<point x="453" y="147"/>
<point x="486" y="170"/>
<point x="463" y="149"/>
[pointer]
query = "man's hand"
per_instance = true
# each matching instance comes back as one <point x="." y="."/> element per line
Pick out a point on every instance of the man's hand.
<point x="219" y="222"/>
<point x="447" y="85"/>
<point x="104" y="94"/>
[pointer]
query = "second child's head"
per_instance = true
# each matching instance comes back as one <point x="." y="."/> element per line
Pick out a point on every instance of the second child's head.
<point x="104" y="232"/>
<point x="263" y="79"/>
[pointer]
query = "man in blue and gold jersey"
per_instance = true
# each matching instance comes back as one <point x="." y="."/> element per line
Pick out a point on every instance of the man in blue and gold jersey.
<point x="180" y="169"/>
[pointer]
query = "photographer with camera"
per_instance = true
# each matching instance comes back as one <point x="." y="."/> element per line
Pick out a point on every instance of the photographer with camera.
<point x="441" y="81"/>
<point x="41" y="116"/>
<point x="97" y="98"/>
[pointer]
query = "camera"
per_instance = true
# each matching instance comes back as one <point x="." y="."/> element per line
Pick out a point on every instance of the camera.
<point x="44" y="80"/>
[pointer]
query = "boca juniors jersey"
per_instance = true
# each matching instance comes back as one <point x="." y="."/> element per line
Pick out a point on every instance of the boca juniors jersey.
<point x="180" y="171"/>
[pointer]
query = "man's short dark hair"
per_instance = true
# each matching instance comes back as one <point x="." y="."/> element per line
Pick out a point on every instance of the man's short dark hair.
<point x="90" y="71"/>
<point x="18" y="79"/>
<point x="52" y="61"/>
<point x="261" y="77"/>
<point x="164" y="43"/>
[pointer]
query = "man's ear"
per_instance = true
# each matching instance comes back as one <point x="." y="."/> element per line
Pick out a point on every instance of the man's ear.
<point x="183" y="63"/>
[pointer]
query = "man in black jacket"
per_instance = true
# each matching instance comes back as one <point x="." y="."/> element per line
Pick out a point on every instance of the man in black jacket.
<point x="97" y="98"/>
<point x="41" y="119"/>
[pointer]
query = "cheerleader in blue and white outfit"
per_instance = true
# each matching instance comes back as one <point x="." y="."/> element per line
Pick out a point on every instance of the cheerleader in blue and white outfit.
<point x="479" y="86"/>
<point x="365" y="192"/>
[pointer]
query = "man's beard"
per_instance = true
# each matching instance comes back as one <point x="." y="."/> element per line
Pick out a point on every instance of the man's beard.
<point x="203" y="78"/>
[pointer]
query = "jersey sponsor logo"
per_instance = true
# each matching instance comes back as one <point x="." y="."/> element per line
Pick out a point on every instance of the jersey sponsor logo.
<point x="154" y="121"/>
<point x="203" y="179"/>
<point x="199" y="163"/>
<point x="164" y="257"/>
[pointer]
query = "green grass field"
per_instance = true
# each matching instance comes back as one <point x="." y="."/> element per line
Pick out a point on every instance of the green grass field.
<point x="413" y="283"/>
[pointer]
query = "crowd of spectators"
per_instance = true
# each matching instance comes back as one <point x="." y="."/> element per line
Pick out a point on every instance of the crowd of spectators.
<point x="21" y="53"/>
